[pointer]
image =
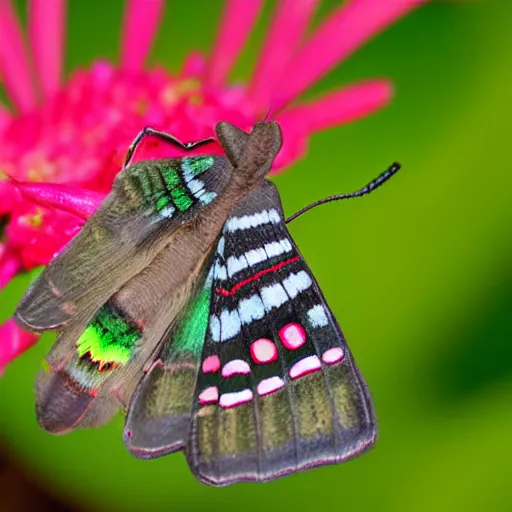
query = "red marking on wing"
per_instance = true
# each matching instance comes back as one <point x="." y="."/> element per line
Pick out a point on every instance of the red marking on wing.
<point x="228" y="293"/>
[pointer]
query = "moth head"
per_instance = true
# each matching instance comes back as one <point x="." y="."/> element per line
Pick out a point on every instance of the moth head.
<point x="252" y="154"/>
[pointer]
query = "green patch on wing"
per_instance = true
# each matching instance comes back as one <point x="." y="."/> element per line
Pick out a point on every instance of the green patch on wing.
<point x="170" y="177"/>
<point x="162" y="203"/>
<point x="181" y="199"/>
<point x="108" y="338"/>
<point x="192" y="166"/>
<point x="190" y="334"/>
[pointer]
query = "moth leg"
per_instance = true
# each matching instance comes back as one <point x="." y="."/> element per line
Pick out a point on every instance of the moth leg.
<point x="165" y="137"/>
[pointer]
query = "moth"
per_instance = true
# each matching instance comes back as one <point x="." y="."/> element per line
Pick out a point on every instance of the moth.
<point x="185" y="302"/>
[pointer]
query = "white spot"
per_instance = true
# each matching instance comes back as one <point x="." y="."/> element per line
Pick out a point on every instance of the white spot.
<point x="296" y="283"/>
<point x="229" y="324"/>
<point x="220" y="246"/>
<point x="252" y="221"/>
<point x="235" y="265"/>
<point x="208" y="197"/>
<point x="286" y="244"/>
<point x="333" y="355"/>
<point x="187" y="174"/>
<point x="274" y="216"/>
<point x="267" y="386"/>
<point x="167" y="212"/>
<point x="209" y="395"/>
<point x="277" y="248"/>
<point x="304" y="366"/>
<point x="273" y="296"/>
<point x="235" y="367"/>
<point x="228" y="400"/>
<point x="255" y="256"/>
<point x="195" y="186"/>
<point x="215" y="327"/>
<point x="317" y="316"/>
<point x="251" y="309"/>
<point x="220" y="272"/>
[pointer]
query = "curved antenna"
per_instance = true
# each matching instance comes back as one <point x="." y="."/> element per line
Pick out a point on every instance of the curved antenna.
<point x="374" y="184"/>
<point x="165" y="137"/>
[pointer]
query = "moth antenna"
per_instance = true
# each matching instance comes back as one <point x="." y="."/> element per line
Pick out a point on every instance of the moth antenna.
<point x="374" y="184"/>
<point x="165" y="137"/>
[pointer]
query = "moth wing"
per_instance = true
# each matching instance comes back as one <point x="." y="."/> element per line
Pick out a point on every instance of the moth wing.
<point x="98" y="359"/>
<point x="159" y="414"/>
<point x="278" y="390"/>
<point x="149" y="202"/>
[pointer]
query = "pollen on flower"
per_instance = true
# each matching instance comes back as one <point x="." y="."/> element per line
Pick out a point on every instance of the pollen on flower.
<point x="34" y="220"/>
<point x="41" y="169"/>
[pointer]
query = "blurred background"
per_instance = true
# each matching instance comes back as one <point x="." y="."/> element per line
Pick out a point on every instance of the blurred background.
<point x="418" y="275"/>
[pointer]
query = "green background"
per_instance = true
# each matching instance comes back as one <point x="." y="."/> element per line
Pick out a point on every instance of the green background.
<point x="418" y="275"/>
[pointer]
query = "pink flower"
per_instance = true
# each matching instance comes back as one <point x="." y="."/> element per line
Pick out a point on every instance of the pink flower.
<point x="64" y="141"/>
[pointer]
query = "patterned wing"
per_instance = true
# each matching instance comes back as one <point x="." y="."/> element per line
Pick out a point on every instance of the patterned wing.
<point x="148" y="203"/>
<point x="93" y="369"/>
<point x="278" y="390"/>
<point x="96" y="363"/>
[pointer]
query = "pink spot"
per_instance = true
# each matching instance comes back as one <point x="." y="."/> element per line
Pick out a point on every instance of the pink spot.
<point x="307" y="365"/>
<point x="263" y="351"/>
<point x="129" y="433"/>
<point x="333" y="355"/>
<point x="293" y="336"/>
<point x="211" y="364"/>
<point x="267" y="386"/>
<point x="235" y="367"/>
<point x="209" y="395"/>
<point x="228" y="400"/>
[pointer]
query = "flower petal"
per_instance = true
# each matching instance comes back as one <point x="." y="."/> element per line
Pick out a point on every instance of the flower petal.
<point x="237" y="21"/>
<point x="284" y="37"/>
<point x="80" y="202"/>
<point x="47" y="32"/>
<point x="7" y="196"/>
<point x="36" y="234"/>
<point x="14" y="62"/>
<point x="139" y="29"/>
<point x="339" y="107"/>
<point x="13" y="342"/>
<point x="9" y="265"/>
<point x="194" y="65"/>
<point x="347" y="28"/>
